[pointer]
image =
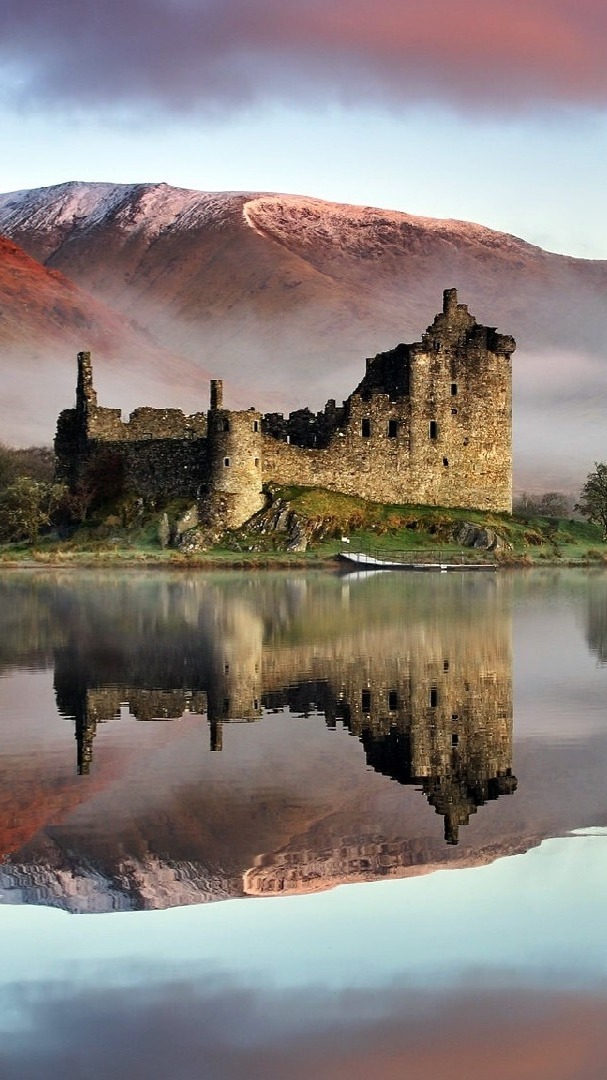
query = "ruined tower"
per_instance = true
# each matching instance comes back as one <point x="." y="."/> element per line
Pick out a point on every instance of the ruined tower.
<point x="234" y="462"/>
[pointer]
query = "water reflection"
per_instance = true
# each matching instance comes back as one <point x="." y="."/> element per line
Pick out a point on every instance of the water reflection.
<point x="431" y="709"/>
<point x="271" y="733"/>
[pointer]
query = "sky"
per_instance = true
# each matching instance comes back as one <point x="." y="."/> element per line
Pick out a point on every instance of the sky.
<point x="487" y="110"/>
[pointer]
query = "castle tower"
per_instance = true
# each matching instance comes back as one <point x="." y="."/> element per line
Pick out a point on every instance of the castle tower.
<point x="461" y="412"/>
<point x="235" y="469"/>
<point x="86" y="396"/>
<point x="73" y="426"/>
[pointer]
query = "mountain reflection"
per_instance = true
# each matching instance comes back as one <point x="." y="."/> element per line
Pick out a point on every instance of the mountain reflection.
<point x="423" y="679"/>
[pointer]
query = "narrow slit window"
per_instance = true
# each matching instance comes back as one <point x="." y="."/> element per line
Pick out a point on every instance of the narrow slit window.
<point x="392" y="429"/>
<point x="256" y="425"/>
<point x="226" y="425"/>
<point x="392" y="700"/>
<point x="256" y="462"/>
<point x="433" y="429"/>
<point x="446" y="462"/>
<point x="365" y="428"/>
<point x="433" y="697"/>
<point x="454" y="739"/>
<point x="226" y="462"/>
<point x="453" y="389"/>
<point x="365" y="701"/>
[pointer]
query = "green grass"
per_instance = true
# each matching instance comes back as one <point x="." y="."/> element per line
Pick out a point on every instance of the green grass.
<point x="385" y="528"/>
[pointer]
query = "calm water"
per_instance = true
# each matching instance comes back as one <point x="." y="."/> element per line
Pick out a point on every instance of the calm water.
<point x="393" y="786"/>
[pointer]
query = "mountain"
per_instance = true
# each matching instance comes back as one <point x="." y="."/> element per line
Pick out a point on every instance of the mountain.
<point x="45" y="319"/>
<point x="284" y="296"/>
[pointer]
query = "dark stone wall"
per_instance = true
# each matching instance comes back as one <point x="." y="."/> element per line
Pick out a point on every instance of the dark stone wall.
<point x="163" y="454"/>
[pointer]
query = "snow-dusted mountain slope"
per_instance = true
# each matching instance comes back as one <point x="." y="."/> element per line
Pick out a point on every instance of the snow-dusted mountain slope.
<point x="284" y="296"/>
<point x="55" y="215"/>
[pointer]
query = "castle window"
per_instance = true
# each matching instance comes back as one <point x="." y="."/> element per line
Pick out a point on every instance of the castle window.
<point x="226" y="461"/>
<point x="433" y="429"/>
<point x="433" y="697"/>
<point x="365" y="701"/>
<point x="392" y="429"/>
<point x="454" y="716"/>
<point x="226" y="425"/>
<point x="256" y="425"/>
<point x="453" y="412"/>
<point x="365" y="428"/>
<point x="226" y="706"/>
<point x="255" y="703"/>
<point x="453" y="389"/>
<point x="256" y="462"/>
<point x="445" y="665"/>
<point x="454" y="739"/>
<point x="392" y="700"/>
<point x="446" y="462"/>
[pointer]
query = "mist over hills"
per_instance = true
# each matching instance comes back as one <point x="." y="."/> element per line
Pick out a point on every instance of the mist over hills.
<point x="45" y="319"/>
<point x="284" y="296"/>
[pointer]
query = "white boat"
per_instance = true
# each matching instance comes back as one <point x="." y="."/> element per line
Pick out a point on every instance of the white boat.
<point x="362" y="561"/>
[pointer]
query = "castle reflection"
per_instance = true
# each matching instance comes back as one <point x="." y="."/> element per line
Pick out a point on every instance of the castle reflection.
<point x="428" y="693"/>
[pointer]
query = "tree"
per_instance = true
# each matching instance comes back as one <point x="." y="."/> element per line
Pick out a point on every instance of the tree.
<point x="36" y="462"/>
<point x="593" y="497"/>
<point x="26" y="506"/>
<point x="550" y="504"/>
<point x="7" y="466"/>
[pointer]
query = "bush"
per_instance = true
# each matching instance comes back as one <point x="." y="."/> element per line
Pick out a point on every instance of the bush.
<point x="26" y="507"/>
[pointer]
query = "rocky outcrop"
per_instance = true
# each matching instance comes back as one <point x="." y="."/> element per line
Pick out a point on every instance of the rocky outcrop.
<point x="470" y="534"/>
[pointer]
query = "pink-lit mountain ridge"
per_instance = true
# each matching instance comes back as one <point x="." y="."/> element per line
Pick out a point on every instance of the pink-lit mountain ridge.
<point x="284" y="296"/>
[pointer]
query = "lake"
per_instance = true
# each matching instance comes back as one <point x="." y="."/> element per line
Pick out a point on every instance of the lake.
<point x="303" y="824"/>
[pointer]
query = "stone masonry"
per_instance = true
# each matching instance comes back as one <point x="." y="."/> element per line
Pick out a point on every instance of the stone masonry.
<point x="429" y="423"/>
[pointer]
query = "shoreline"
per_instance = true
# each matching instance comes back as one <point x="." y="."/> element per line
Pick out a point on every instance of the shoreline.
<point x="303" y="562"/>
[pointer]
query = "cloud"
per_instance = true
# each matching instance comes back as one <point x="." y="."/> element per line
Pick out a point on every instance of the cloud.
<point x="184" y="54"/>
<point x="186" y="1032"/>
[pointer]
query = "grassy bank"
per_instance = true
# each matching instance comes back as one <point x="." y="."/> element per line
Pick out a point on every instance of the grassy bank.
<point x="323" y="517"/>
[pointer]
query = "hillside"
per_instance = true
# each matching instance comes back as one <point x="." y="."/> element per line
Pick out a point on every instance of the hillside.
<point x="284" y="296"/>
<point x="45" y="319"/>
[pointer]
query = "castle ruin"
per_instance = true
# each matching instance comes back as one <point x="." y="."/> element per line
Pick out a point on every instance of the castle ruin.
<point x="430" y="423"/>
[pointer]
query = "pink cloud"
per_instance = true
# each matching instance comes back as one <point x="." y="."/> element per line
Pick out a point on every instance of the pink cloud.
<point x="178" y="1028"/>
<point x="186" y="53"/>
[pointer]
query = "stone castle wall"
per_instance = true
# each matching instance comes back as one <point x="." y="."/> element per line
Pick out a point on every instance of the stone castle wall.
<point x="429" y="423"/>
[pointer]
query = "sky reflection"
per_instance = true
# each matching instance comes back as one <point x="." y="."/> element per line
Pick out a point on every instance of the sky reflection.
<point x="533" y="919"/>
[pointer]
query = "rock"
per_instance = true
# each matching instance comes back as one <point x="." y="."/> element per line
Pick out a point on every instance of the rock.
<point x="193" y="540"/>
<point x="187" y="521"/>
<point x="468" y="534"/>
